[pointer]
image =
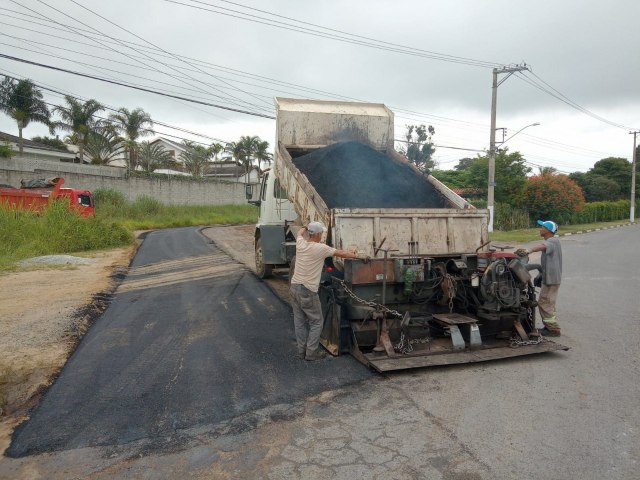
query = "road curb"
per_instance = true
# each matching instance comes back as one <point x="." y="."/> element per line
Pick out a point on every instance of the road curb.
<point x="595" y="229"/>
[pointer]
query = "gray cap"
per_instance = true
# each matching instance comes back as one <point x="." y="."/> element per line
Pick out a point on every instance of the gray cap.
<point x="316" y="227"/>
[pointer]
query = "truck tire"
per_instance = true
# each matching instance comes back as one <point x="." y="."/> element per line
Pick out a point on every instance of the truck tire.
<point x="263" y="270"/>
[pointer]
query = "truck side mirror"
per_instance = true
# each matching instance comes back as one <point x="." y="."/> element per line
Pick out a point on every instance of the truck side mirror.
<point x="248" y="191"/>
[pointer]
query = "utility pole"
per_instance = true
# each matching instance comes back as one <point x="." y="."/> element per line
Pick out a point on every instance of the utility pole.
<point x="492" y="138"/>
<point x="632" y="213"/>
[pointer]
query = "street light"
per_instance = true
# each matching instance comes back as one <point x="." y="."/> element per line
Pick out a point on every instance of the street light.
<point x="492" y="167"/>
<point x="532" y="125"/>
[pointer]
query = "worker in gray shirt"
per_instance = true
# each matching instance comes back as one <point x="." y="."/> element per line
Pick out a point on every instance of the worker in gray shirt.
<point x="550" y="277"/>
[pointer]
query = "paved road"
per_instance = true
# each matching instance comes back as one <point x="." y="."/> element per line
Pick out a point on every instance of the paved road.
<point x="565" y="416"/>
<point x="191" y="338"/>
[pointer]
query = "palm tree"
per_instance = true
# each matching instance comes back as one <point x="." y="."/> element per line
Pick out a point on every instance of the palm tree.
<point x="152" y="156"/>
<point x="104" y="145"/>
<point x="244" y="150"/>
<point x="216" y="149"/>
<point x="132" y="125"/>
<point x="262" y="153"/>
<point x="545" y="171"/>
<point x="195" y="157"/>
<point x="78" y="118"/>
<point x="23" y="102"/>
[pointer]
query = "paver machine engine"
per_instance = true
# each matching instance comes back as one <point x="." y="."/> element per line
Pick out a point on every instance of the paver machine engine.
<point x="432" y="310"/>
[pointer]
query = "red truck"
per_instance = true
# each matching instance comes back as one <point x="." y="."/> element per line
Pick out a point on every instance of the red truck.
<point x="39" y="197"/>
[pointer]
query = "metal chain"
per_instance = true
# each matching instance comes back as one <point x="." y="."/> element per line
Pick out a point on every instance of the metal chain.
<point x="518" y="342"/>
<point x="375" y="305"/>
<point x="405" y="345"/>
<point x="451" y="289"/>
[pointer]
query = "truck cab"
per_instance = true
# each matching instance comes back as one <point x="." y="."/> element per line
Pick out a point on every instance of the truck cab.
<point x="274" y="246"/>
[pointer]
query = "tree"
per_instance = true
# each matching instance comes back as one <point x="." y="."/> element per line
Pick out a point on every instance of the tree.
<point x="601" y="189"/>
<point x="452" y="178"/>
<point x="52" y="142"/>
<point x="262" y="154"/>
<point x="104" y="145"/>
<point x="23" y="102"/>
<point x="511" y="176"/>
<point x="548" y="170"/>
<point x="464" y="163"/>
<point x="195" y="157"/>
<point x="419" y="147"/>
<point x="216" y="149"/>
<point x="78" y="118"/>
<point x="152" y="156"/>
<point x="132" y="125"/>
<point x="616" y="169"/>
<point x="553" y="196"/>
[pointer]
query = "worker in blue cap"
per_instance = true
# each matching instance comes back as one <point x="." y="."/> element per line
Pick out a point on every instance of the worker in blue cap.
<point x="550" y="277"/>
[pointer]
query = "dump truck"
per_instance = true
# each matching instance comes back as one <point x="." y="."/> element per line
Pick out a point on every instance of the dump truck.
<point x="426" y="289"/>
<point x="36" y="195"/>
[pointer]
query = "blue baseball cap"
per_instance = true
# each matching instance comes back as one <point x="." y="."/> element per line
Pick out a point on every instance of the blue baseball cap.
<point x="549" y="225"/>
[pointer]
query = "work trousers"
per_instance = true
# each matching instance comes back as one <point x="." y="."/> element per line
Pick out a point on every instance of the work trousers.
<point x="547" y="306"/>
<point x="307" y="318"/>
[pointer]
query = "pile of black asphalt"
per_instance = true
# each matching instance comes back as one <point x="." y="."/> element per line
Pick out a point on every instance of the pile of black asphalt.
<point x="190" y="339"/>
<point x="354" y="175"/>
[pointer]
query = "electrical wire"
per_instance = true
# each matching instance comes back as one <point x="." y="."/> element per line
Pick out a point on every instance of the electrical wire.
<point x="63" y="94"/>
<point x="356" y="41"/>
<point x="564" y="99"/>
<point x="73" y="29"/>
<point x="176" y="57"/>
<point x="397" y="109"/>
<point x="122" y="84"/>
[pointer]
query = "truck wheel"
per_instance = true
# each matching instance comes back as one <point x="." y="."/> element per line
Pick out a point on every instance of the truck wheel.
<point x="263" y="270"/>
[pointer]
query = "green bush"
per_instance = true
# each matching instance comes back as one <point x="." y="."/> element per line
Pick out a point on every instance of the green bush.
<point x="602" y="212"/>
<point x="5" y="150"/>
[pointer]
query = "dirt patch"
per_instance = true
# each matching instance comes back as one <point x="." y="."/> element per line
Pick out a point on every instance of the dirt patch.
<point x="43" y="315"/>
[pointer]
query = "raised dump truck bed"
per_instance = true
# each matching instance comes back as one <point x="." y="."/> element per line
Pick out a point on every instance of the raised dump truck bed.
<point x="426" y="290"/>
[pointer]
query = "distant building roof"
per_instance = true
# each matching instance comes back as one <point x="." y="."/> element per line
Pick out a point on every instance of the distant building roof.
<point x="6" y="137"/>
<point x="173" y="143"/>
<point x="470" y="192"/>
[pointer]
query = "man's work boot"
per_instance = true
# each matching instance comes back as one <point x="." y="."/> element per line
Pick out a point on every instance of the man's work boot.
<point x="546" y="332"/>
<point x="317" y="355"/>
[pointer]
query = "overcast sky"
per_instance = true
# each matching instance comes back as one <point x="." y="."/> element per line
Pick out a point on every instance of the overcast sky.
<point x="430" y="62"/>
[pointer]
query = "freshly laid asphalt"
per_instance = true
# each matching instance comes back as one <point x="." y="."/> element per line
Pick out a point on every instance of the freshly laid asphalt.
<point x="191" y="338"/>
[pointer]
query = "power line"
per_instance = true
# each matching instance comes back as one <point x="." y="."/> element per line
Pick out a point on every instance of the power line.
<point x="100" y="68"/>
<point x="113" y="109"/>
<point x="564" y="99"/>
<point x="157" y="47"/>
<point x="479" y="62"/>
<point x="74" y="29"/>
<point x="285" y="26"/>
<point x="51" y="67"/>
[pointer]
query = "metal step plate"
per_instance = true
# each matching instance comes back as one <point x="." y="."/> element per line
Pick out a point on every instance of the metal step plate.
<point x="386" y="364"/>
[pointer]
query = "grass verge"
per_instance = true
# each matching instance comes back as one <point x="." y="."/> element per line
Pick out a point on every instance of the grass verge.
<point x="532" y="234"/>
<point x="25" y="234"/>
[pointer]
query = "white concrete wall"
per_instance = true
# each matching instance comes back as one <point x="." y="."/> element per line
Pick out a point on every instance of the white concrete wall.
<point x="172" y="191"/>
